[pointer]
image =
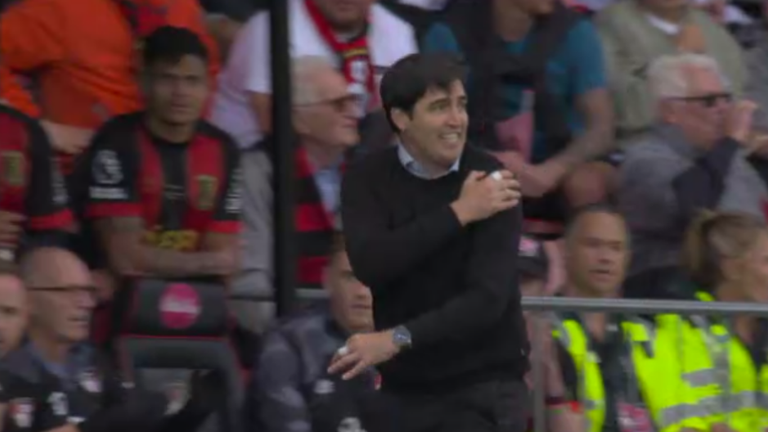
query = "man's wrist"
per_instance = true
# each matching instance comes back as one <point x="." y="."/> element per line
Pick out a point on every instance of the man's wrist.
<point x="461" y="213"/>
<point x="401" y="338"/>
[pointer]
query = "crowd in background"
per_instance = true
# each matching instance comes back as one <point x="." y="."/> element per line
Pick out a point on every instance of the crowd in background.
<point x="638" y="130"/>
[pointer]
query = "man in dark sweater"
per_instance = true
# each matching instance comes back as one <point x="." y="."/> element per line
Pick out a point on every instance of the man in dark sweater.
<point x="433" y="228"/>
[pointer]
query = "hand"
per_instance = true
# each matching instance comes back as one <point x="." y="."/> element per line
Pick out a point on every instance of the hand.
<point x="226" y="262"/>
<point x="739" y="121"/>
<point x="538" y="180"/>
<point x="757" y="143"/>
<point x="67" y="139"/>
<point x="482" y="196"/>
<point x="690" y="39"/>
<point x="11" y="228"/>
<point x="362" y="351"/>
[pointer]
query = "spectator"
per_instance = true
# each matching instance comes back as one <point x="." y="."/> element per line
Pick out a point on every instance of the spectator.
<point x="757" y="85"/>
<point x="563" y="410"/>
<point x="33" y="197"/>
<point x="326" y="125"/>
<point x="725" y="256"/>
<point x="556" y="152"/>
<point x="163" y="185"/>
<point x="81" y="60"/>
<point x="292" y="390"/>
<point x="625" y="374"/>
<point x="69" y="381"/>
<point x="635" y="32"/>
<point x="692" y="159"/>
<point x="360" y="37"/>
<point x="13" y="310"/>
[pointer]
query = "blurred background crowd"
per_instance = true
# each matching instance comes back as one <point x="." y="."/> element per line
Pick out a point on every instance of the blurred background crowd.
<point x="638" y="130"/>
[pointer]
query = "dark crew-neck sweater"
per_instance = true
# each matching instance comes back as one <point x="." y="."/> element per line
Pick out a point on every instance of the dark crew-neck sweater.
<point x="455" y="288"/>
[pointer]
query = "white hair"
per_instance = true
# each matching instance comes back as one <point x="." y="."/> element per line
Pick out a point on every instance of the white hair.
<point x="304" y="71"/>
<point x="667" y="75"/>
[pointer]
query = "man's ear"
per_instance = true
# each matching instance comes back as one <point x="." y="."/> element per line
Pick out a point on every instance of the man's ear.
<point x="400" y="118"/>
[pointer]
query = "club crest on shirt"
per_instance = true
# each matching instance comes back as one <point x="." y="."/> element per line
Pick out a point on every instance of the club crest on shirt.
<point x="89" y="380"/>
<point x="13" y="168"/>
<point x="22" y="411"/>
<point x="206" y="191"/>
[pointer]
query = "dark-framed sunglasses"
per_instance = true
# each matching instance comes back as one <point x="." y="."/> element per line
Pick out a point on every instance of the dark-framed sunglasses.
<point x="708" y="100"/>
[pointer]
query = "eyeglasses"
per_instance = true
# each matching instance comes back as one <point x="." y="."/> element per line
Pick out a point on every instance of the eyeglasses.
<point x="339" y="104"/>
<point x="709" y="100"/>
<point x="68" y="290"/>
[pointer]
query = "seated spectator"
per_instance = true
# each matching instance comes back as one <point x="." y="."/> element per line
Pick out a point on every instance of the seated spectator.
<point x="326" y="126"/>
<point x="56" y="380"/>
<point x="550" y="57"/>
<point x="33" y="197"/>
<point x="292" y="389"/>
<point x="81" y="58"/>
<point x="361" y="38"/>
<point x="163" y="186"/>
<point x="635" y="32"/>
<point x="13" y="309"/>
<point x="693" y="159"/>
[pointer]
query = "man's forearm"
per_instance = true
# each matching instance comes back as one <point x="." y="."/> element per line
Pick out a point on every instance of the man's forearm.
<point x="593" y="143"/>
<point x="169" y="263"/>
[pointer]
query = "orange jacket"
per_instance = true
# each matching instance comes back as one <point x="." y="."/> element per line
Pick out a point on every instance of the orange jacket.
<point x="82" y="56"/>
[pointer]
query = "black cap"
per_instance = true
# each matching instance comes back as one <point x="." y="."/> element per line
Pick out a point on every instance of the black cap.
<point x="532" y="260"/>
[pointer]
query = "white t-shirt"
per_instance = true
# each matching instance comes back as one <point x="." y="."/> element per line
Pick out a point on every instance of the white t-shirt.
<point x="249" y="66"/>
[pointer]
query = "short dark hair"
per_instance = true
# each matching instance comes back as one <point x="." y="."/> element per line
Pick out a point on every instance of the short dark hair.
<point x="590" y="209"/>
<point x="409" y="79"/>
<point x="169" y="44"/>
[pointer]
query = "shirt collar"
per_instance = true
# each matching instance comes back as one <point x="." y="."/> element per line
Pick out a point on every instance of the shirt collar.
<point x="415" y="168"/>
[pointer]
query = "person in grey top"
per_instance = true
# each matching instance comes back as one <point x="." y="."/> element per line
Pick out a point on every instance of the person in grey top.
<point x="291" y="390"/>
<point x="694" y="158"/>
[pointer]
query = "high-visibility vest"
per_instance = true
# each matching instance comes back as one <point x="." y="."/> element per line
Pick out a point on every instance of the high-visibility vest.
<point x="720" y="370"/>
<point x="657" y="376"/>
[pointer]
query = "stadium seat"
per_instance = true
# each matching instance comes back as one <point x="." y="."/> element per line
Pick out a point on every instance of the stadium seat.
<point x="178" y="325"/>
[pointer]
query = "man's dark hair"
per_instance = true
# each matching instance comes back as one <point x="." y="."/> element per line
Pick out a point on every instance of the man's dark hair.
<point x="169" y="44"/>
<point x="598" y="208"/>
<point x="409" y="79"/>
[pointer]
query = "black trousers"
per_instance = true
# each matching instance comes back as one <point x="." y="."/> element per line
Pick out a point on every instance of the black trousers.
<point x="496" y="406"/>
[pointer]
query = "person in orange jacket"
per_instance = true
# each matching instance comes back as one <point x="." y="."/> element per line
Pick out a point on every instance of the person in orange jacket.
<point x="81" y="57"/>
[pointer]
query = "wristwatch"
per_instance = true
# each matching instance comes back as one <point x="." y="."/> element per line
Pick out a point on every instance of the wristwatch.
<point x="401" y="337"/>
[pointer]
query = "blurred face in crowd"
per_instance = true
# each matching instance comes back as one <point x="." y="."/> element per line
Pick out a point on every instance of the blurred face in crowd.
<point x="13" y="312"/>
<point x="701" y="115"/>
<point x="329" y="117"/>
<point x="749" y="273"/>
<point x="62" y="296"/>
<point x="345" y="15"/>
<point x="351" y="301"/>
<point x="176" y="92"/>
<point x="597" y="254"/>
<point x="435" y="132"/>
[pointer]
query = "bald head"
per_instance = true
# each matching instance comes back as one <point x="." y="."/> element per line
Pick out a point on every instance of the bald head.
<point x="50" y="266"/>
<point x="13" y="311"/>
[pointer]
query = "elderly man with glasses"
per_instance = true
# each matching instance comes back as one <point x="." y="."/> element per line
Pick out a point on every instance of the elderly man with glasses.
<point x="693" y="159"/>
<point x="55" y="380"/>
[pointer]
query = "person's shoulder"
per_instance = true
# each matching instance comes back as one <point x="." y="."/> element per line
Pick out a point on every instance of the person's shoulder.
<point x="306" y="325"/>
<point x="477" y="159"/>
<point x="15" y="115"/>
<point x="373" y="164"/>
<point x="19" y="363"/>
<point x="121" y="125"/>
<point x="223" y="138"/>
<point x="616" y="11"/>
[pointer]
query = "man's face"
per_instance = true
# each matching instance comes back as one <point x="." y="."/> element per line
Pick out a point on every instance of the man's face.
<point x="330" y="118"/>
<point x="702" y="113"/>
<point x="177" y="93"/>
<point x="345" y="14"/>
<point x="62" y="302"/>
<point x="13" y="313"/>
<point x="351" y="301"/>
<point x="597" y="253"/>
<point x="437" y="127"/>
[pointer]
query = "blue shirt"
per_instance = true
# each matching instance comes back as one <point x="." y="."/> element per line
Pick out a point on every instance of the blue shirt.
<point x="328" y="182"/>
<point x="574" y="69"/>
<point x="417" y="169"/>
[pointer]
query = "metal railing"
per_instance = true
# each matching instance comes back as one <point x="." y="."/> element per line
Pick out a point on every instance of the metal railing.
<point x="625" y="307"/>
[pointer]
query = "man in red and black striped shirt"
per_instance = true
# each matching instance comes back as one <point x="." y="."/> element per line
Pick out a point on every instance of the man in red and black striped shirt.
<point x="163" y="185"/>
<point x="33" y="197"/>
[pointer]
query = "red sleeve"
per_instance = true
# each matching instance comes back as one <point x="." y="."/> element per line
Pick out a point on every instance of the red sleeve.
<point x="113" y="162"/>
<point x="226" y="215"/>
<point x="46" y="201"/>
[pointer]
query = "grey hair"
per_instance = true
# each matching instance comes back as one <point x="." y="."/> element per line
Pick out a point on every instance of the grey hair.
<point x="304" y="70"/>
<point x="667" y="74"/>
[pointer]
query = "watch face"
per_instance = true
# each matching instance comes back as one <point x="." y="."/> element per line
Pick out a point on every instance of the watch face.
<point x="402" y="337"/>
